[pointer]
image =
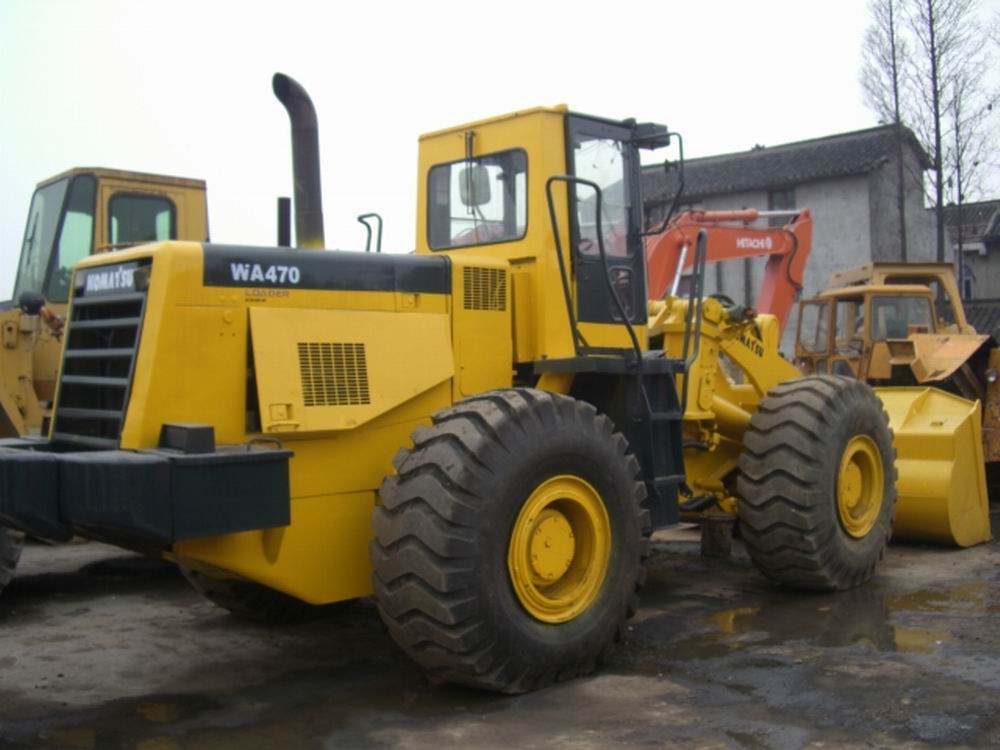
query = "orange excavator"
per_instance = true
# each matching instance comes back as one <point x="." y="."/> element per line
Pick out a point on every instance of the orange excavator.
<point x="670" y="253"/>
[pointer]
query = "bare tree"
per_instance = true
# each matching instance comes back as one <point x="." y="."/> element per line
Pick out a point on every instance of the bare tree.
<point x="945" y="76"/>
<point x="881" y="79"/>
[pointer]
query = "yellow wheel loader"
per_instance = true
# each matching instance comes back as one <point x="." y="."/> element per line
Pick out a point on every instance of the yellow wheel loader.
<point x="903" y="324"/>
<point x="482" y="435"/>
<point x="75" y="214"/>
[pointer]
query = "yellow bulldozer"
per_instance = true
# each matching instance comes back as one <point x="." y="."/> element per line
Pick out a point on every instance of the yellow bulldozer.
<point x="903" y="324"/>
<point x="80" y="212"/>
<point x="482" y="434"/>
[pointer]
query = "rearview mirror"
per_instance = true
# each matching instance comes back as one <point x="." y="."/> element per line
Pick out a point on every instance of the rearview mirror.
<point x="474" y="185"/>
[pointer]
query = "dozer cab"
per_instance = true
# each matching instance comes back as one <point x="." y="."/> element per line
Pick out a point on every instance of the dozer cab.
<point x="893" y="324"/>
<point x="80" y="212"/>
<point x="482" y="434"/>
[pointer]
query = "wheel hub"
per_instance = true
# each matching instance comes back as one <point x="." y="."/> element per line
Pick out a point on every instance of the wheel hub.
<point x="559" y="550"/>
<point x="552" y="547"/>
<point x="859" y="486"/>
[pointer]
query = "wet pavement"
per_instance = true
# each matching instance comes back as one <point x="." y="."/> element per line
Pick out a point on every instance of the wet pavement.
<point x="101" y="649"/>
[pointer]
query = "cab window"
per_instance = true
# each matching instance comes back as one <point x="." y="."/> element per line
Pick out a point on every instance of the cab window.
<point x="135" y="219"/>
<point x="76" y="237"/>
<point x="814" y="334"/>
<point x="39" y="236"/>
<point x="850" y="323"/>
<point x="478" y="201"/>
<point x="601" y="161"/>
<point x="897" y="317"/>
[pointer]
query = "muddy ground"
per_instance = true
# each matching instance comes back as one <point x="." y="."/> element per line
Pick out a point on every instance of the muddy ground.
<point x="101" y="649"/>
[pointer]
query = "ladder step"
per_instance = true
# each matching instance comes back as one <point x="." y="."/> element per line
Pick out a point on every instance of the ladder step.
<point x="668" y="480"/>
<point x="672" y="415"/>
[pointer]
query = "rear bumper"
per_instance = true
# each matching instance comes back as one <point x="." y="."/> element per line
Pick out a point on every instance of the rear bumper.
<point x="141" y="499"/>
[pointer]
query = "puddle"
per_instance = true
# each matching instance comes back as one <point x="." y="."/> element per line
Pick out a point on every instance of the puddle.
<point x="885" y="622"/>
<point x="972" y="596"/>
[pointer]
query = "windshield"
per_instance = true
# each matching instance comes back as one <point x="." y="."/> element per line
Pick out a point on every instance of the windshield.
<point x="60" y="225"/>
<point x="36" y="249"/>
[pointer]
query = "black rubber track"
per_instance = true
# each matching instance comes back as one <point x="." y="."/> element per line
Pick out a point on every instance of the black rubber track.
<point x="788" y="482"/>
<point x="248" y="600"/>
<point x="11" y="544"/>
<point x="443" y="528"/>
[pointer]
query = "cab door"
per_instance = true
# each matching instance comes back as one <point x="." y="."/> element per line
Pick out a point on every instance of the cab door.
<point x="601" y="152"/>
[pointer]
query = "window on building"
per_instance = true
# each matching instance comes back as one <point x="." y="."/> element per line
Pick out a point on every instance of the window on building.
<point x="478" y="201"/>
<point x="966" y="287"/>
<point x="141" y="218"/>
<point x="780" y="200"/>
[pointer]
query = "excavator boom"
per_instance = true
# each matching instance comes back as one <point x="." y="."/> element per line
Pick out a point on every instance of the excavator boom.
<point x="670" y="253"/>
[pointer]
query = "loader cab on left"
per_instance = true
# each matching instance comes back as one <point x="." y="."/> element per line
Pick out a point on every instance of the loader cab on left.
<point x="90" y="210"/>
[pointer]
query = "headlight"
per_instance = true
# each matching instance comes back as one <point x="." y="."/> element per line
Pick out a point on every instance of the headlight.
<point x="992" y="376"/>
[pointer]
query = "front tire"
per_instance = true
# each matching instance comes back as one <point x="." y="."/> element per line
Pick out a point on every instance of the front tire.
<point x="510" y="543"/>
<point x="817" y="484"/>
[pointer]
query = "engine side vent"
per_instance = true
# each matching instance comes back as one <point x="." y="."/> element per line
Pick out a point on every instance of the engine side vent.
<point x="333" y="374"/>
<point x="485" y="288"/>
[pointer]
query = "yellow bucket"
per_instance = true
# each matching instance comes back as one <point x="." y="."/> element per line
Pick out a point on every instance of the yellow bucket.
<point x="941" y="490"/>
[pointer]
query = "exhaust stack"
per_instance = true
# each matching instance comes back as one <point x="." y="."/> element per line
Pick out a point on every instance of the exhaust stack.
<point x="305" y="161"/>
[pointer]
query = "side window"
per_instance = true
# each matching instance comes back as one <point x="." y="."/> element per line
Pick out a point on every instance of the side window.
<point x="813" y="333"/>
<point x="850" y="323"/>
<point x="76" y="237"/>
<point x="897" y="317"/>
<point x="141" y="218"/>
<point x="602" y="161"/>
<point x="479" y="201"/>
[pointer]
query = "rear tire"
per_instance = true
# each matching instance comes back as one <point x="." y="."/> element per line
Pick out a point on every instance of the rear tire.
<point x="11" y="544"/>
<point x="498" y="482"/>
<point x="248" y="600"/>
<point x="817" y="484"/>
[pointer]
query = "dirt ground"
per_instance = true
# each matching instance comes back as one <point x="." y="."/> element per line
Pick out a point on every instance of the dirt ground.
<point x="102" y="649"/>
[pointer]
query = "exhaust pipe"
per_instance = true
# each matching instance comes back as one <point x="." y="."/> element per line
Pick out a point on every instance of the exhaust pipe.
<point x="305" y="161"/>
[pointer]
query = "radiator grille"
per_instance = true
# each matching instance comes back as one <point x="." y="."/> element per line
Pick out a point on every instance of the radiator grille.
<point x="102" y="339"/>
<point x="333" y="374"/>
<point x="485" y="288"/>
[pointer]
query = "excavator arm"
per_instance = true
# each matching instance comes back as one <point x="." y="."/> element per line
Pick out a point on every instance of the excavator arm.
<point x="671" y="252"/>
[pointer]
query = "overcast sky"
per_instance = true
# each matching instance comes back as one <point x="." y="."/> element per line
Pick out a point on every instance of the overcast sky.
<point x="184" y="88"/>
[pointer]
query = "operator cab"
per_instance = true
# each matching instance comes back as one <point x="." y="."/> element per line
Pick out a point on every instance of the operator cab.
<point x="496" y="188"/>
<point x="90" y="210"/>
<point x="839" y="328"/>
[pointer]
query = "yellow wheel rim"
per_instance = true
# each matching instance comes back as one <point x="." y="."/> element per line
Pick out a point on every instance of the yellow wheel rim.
<point x="859" y="486"/>
<point x="559" y="549"/>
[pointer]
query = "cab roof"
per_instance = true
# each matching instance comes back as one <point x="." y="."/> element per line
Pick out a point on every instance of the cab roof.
<point x="123" y="174"/>
<point x="876" y="290"/>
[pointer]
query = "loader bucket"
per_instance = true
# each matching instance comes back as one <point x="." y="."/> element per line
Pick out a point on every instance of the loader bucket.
<point x="941" y="490"/>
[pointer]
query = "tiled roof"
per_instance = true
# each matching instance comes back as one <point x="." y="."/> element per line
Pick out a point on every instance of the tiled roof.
<point x="979" y="220"/>
<point x="984" y="315"/>
<point x="779" y="166"/>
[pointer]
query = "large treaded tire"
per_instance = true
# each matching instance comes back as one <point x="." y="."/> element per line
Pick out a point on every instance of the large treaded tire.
<point x="248" y="600"/>
<point x="444" y="526"/>
<point x="11" y="544"/>
<point x="787" y="487"/>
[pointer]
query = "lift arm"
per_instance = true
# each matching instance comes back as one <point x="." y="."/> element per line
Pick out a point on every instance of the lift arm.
<point x="787" y="248"/>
